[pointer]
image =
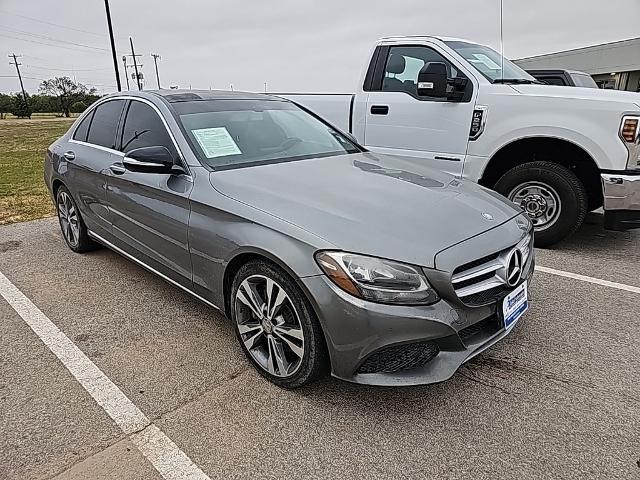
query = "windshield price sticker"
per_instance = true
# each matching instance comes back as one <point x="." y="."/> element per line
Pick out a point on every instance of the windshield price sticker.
<point x="216" y="142"/>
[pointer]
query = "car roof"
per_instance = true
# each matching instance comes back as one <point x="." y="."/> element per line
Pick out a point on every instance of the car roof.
<point x="175" y="96"/>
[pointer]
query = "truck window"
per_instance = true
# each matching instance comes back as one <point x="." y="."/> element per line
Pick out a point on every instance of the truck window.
<point x="583" y="80"/>
<point x="405" y="62"/>
<point x="553" y="80"/>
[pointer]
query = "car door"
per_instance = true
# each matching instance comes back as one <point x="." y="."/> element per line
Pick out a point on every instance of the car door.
<point x="399" y="121"/>
<point x="150" y="211"/>
<point x="87" y="157"/>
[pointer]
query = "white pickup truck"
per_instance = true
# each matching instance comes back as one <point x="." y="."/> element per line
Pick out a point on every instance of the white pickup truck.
<point x="557" y="152"/>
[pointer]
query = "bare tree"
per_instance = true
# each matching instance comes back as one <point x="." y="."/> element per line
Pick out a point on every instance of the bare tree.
<point x="67" y="91"/>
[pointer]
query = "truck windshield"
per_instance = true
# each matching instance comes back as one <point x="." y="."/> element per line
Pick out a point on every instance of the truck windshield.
<point x="232" y="133"/>
<point x="490" y="63"/>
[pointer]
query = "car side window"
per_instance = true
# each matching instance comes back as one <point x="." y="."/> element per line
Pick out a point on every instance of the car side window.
<point x="102" y="130"/>
<point x="143" y="127"/>
<point x="405" y="62"/>
<point x="83" y="129"/>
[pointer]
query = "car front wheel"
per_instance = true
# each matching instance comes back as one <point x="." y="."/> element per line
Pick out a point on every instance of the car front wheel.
<point x="276" y="326"/>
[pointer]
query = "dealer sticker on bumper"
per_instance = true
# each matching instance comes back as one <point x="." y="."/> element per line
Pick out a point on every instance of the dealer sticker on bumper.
<point x="514" y="305"/>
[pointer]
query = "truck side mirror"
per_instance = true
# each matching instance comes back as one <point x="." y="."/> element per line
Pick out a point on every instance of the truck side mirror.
<point x="432" y="80"/>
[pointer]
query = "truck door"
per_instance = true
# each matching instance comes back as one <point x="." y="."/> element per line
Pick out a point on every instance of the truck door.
<point x="400" y="122"/>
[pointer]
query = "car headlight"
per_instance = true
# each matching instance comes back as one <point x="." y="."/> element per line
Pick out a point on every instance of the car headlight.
<point x="630" y="135"/>
<point x="376" y="279"/>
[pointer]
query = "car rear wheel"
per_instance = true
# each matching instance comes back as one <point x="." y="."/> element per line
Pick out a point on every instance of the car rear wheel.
<point x="73" y="228"/>
<point x="551" y="195"/>
<point x="276" y="326"/>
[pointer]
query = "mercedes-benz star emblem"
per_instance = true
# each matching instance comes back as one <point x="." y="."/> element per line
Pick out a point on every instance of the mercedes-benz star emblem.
<point x="487" y="216"/>
<point x="514" y="268"/>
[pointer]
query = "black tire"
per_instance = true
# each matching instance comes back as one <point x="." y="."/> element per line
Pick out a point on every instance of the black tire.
<point x="314" y="362"/>
<point x="79" y="242"/>
<point x="571" y="193"/>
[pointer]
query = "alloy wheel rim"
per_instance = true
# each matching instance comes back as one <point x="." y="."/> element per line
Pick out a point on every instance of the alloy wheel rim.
<point x="269" y="325"/>
<point x="68" y="218"/>
<point x="539" y="201"/>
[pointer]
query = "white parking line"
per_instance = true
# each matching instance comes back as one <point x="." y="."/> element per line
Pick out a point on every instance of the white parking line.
<point x="171" y="462"/>
<point x="583" y="278"/>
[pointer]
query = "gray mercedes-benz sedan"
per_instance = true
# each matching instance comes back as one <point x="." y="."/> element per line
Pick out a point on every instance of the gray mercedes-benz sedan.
<point x="326" y="257"/>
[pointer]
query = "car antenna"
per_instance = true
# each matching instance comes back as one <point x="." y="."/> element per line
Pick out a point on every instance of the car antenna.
<point x="501" y="42"/>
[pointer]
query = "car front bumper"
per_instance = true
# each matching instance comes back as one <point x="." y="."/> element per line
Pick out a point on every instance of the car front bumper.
<point x="357" y="330"/>
<point x="621" y="193"/>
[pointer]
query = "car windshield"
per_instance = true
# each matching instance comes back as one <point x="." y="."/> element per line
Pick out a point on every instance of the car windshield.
<point x="232" y="133"/>
<point x="490" y="63"/>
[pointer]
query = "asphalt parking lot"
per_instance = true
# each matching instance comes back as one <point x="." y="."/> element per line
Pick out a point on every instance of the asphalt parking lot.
<point x="558" y="398"/>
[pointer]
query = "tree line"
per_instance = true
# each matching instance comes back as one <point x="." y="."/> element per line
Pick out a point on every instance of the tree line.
<point x="57" y="95"/>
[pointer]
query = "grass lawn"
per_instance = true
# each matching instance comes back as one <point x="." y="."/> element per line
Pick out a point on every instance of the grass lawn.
<point x="23" y="143"/>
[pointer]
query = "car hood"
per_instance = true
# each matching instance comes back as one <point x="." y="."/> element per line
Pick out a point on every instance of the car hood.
<point x="579" y="93"/>
<point x="381" y="205"/>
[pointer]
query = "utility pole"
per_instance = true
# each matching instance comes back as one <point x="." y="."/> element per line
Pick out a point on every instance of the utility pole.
<point x="126" y="73"/>
<point x="155" y="61"/>
<point x="15" y="62"/>
<point x="135" y="64"/>
<point x="113" y="45"/>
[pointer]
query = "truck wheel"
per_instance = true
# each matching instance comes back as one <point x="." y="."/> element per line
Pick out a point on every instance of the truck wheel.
<point x="553" y="197"/>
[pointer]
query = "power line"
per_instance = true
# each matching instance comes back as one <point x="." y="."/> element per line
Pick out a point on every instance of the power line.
<point x="53" y="39"/>
<point x="42" y="43"/>
<point x="54" y="24"/>
<point x="66" y="69"/>
<point x="23" y="76"/>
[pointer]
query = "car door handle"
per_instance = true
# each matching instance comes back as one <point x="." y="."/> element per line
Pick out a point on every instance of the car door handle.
<point x="69" y="155"/>
<point x="379" y="109"/>
<point x="117" y="168"/>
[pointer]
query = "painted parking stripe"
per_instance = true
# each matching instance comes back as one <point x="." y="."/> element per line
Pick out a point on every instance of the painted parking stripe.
<point x="171" y="462"/>
<point x="584" y="278"/>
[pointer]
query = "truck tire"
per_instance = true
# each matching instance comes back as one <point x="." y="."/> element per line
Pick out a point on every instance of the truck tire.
<point x="553" y="197"/>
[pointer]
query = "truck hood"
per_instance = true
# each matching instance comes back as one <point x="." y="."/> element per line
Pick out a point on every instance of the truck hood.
<point x="579" y="93"/>
<point x="381" y="205"/>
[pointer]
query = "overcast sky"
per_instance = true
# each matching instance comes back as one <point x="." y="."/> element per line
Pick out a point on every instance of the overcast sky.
<point x="293" y="45"/>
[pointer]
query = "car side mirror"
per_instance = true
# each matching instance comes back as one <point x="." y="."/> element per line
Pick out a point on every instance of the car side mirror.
<point x="432" y="80"/>
<point x="157" y="159"/>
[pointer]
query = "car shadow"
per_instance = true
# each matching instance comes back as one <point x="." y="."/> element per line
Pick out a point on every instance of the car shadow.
<point x="593" y="236"/>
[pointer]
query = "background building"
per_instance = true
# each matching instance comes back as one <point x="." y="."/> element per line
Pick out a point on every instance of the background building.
<point x="612" y="65"/>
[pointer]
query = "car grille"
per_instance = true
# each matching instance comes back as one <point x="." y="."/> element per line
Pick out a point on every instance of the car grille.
<point x="400" y="357"/>
<point x="483" y="281"/>
<point x="488" y="326"/>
